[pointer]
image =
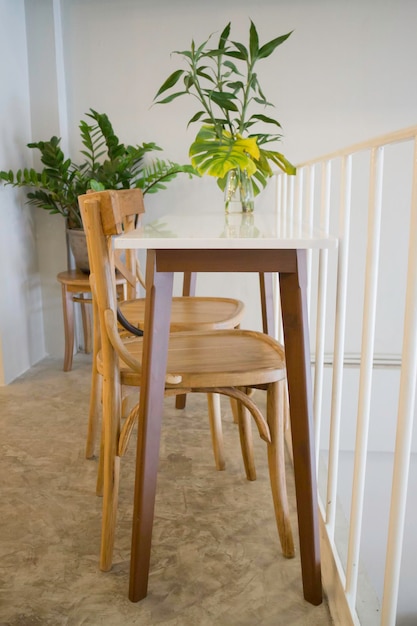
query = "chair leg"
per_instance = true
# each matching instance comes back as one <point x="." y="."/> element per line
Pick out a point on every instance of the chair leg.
<point x="100" y="467"/>
<point x="276" y="463"/>
<point x="94" y="413"/>
<point x="246" y="440"/>
<point x="180" y="401"/>
<point x="111" y="466"/>
<point x="214" y="411"/>
<point x="86" y="321"/>
<point x="287" y="425"/>
<point x="95" y="390"/>
<point x="235" y="413"/>
<point x="68" y="311"/>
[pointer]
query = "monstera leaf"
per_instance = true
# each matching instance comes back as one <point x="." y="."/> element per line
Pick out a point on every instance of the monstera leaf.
<point x="214" y="156"/>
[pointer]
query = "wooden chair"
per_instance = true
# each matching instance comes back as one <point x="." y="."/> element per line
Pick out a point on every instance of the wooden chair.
<point x="188" y="313"/>
<point x="249" y="359"/>
<point x="76" y="288"/>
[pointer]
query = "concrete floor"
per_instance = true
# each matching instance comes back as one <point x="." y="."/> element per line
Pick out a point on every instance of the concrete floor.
<point x="215" y="557"/>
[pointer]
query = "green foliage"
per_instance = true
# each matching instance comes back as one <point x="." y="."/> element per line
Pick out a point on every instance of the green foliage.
<point x="216" y="156"/>
<point x="224" y="82"/>
<point x="108" y="164"/>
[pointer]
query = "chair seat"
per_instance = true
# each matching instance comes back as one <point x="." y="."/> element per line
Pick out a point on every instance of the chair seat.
<point x="75" y="278"/>
<point x="78" y="281"/>
<point x="191" y="313"/>
<point x="224" y="358"/>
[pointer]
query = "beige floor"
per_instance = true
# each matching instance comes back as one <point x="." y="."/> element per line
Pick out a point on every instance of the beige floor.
<point x="215" y="556"/>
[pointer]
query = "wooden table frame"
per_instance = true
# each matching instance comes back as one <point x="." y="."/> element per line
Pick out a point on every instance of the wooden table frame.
<point x="292" y="268"/>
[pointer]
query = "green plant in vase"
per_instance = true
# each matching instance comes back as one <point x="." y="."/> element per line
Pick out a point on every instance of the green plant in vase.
<point x="107" y="164"/>
<point x="225" y="83"/>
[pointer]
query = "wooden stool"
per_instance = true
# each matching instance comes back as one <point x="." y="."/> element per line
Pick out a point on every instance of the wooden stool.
<point x="76" y="288"/>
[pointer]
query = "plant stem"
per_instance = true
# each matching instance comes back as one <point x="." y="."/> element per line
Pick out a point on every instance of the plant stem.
<point x="220" y="88"/>
<point x="246" y="96"/>
<point x="199" y="91"/>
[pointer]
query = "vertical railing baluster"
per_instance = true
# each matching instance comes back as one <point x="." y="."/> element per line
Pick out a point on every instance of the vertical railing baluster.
<point x="321" y="306"/>
<point x="298" y="201"/>
<point x="404" y="424"/>
<point x="275" y="284"/>
<point x="284" y="203"/>
<point x="278" y="192"/>
<point x="339" y="342"/>
<point x="365" y="382"/>
<point x="290" y="212"/>
<point x="309" y="220"/>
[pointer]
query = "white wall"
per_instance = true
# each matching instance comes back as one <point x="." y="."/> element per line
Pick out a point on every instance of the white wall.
<point x="341" y="77"/>
<point x="21" y="326"/>
<point x="50" y="229"/>
<point x="345" y="74"/>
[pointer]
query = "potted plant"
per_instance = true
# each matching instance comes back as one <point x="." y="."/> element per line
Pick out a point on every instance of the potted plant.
<point x="107" y="164"/>
<point x="225" y="83"/>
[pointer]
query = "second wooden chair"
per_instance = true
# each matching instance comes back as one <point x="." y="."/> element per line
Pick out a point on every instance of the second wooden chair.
<point x="188" y="312"/>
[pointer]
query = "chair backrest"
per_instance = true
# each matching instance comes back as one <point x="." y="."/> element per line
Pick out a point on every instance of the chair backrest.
<point x="120" y="210"/>
<point x="107" y="213"/>
<point x="127" y="263"/>
<point x="117" y="206"/>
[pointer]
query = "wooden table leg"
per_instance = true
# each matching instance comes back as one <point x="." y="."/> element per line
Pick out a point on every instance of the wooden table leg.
<point x="189" y="284"/>
<point x="155" y="347"/>
<point x="267" y="303"/>
<point x="293" y="288"/>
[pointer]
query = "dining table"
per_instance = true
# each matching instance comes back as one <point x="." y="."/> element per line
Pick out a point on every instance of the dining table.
<point x="267" y="244"/>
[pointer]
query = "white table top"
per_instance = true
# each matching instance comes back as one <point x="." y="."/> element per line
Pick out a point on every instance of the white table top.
<point x="217" y="231"/>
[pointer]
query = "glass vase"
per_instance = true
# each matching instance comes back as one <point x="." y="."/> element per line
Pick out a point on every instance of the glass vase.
<point x="238" y="193"/>
<point x="240" y="225"/>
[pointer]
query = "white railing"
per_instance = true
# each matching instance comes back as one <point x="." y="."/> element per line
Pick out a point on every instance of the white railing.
<point x="377" y="255"/>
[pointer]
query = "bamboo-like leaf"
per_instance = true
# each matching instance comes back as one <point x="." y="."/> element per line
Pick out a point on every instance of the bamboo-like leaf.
<point x="224" y="100"/>
<point x="232" y="67"/>
<point x="257" y="87"/>
<point x="203" y="74"/>
<point x="236" y="54"/>
<point x="253" y="41"/>
<point x="201" y="47"/>
<point x="267" y="49"/>
<point x="170" y="82"/>
<point x="235" y="85"/>
<point x="195" y="117"/>
<point x="224" y="36"/>
<point x="242" y="49"/>
<point x="183" y="53"/>
<point x="263" y="102"/>
<point x="188" y="81"/>
<point x="263" y="138"/>
<point x="171" y="97"/>
<point x="264" y="118"/>
<point x="213" y="54"/>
